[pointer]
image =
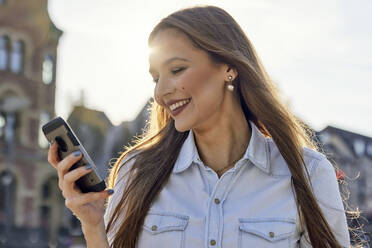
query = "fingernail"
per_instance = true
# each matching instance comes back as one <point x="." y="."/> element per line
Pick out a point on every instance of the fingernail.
<point x="110" y="191"/>
<point x="77" y="153"/>
<point x="88" y="167"/>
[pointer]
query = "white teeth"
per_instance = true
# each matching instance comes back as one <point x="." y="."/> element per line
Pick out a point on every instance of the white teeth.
<point x="178" y="104"/>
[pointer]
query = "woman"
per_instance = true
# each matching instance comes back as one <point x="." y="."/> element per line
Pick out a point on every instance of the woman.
<point x="223" y="162"/>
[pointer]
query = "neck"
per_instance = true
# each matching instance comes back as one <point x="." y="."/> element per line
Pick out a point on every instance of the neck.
<point x="224" y="142"/>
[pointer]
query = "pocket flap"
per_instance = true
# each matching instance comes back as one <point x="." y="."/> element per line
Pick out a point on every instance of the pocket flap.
<point x="270" y="229"/>
<point x="165" y="221"/>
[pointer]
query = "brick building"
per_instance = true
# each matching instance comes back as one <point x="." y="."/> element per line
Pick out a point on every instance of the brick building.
<point x="28" y="51"/>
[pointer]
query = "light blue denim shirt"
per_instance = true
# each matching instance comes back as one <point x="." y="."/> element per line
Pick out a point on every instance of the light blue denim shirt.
<point x="250" y="205"/>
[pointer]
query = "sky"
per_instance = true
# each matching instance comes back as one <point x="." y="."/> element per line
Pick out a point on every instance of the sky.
<point x="319" y="53"/>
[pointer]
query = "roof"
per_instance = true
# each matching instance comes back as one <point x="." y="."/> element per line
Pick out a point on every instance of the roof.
<point x="358" y="144"/>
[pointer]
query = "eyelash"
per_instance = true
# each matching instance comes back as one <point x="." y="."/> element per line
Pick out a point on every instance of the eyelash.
<point x="173" y="72"/>
<point x="178" y="70"/>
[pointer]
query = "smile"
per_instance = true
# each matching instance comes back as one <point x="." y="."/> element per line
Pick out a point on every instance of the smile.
<point x="178" y="104"/>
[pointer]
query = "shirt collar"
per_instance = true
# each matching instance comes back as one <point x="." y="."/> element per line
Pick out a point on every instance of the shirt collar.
<point x="257" y="151"/>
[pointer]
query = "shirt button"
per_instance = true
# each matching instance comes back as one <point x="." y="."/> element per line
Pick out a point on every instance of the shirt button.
<point x="217" y="201"/>
<point x="213" y="242"/>
<point x="271" y="234"/>
<point x="154" y="227"/>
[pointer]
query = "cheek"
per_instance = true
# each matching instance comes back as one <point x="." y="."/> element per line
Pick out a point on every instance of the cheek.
<point x="188" y="82"/>
<point x="198" y="82"/>
<point x="206" y="90"/>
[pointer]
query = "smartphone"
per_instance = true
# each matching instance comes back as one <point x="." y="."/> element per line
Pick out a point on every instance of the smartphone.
<point x="59" y="131"/>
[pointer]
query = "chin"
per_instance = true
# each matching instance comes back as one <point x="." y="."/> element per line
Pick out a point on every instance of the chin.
<point x="181" y="127"/>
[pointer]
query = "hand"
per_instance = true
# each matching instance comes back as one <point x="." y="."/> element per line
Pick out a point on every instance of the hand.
<point x="88" y="207"/>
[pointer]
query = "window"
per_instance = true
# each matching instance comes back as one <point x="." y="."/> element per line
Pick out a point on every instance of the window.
<point x="7" y="196"/>
<point x="4" y="52"/>
<point x="8" y="126"/>
<point x="359" y="147"/>
<point x="11" y="107"/>
<point x="48" y="69"/>
<point x="17" y="57"/>
<point x="369" y="148"/>
<point x="325" y="138"/>
<point x="44" y="118"/>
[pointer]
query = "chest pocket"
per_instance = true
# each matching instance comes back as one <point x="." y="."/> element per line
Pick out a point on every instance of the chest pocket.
<point x="266" y="232"/>
<point x="163" y="228"/>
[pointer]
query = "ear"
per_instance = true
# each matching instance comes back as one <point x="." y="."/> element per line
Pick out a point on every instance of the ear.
<point x="231" y="71"/>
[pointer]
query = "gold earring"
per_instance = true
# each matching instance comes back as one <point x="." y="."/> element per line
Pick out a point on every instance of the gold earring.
<point x="230" y="86"/>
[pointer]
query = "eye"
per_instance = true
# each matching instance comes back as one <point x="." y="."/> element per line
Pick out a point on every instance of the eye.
<point x="177" y="70"/>
<point x="155" y="80"/>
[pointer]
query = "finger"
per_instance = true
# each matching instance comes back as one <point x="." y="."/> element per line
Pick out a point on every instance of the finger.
<point x="52" y="154"/>
<point x="75" y="191"/>
<point x="70" y="178"/>
<point x="82" y="199"/>
<point x="68" y="161"/>
<point x="65" y="165"/>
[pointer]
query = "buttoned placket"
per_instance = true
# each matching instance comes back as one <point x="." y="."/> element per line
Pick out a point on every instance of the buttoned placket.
<point x="214" y="218"/>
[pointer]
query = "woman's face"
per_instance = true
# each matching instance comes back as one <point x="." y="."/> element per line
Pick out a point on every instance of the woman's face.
<point x="188" y="84"/>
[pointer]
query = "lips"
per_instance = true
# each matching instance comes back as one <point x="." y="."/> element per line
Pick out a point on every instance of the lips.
<point x="177" y="106"/>
<point x="170" y="102"/>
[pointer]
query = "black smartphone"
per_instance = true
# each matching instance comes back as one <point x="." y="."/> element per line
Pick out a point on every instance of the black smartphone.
<point x="59" y="131"/>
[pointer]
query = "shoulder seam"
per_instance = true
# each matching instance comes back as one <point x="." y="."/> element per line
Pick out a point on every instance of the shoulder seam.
<point x="318" y="158"/>
<point x="314" y="167"/>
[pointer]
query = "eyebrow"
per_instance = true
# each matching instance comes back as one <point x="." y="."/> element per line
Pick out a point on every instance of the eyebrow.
<point x="168" y="61"/>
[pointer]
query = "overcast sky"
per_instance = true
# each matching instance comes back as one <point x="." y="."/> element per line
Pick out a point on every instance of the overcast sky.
<point x="318" y="52"/>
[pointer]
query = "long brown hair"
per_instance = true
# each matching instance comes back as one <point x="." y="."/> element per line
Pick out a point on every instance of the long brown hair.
<point x="217" y="33"/>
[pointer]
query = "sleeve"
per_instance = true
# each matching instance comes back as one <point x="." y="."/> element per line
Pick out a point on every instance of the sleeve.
<point x="119" y="185"/>
<point x="326" y="191"/>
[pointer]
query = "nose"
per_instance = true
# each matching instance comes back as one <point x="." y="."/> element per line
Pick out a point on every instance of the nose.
<point x="163" y="88"/>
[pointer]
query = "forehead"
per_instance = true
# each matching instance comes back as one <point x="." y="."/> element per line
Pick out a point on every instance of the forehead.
<point x="170" y="43"/>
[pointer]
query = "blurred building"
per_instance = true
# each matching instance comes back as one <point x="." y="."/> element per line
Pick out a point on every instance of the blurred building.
<point x="32" y="211"/>
<point x="91" y="128"/>
<point x="102" y="140"/>
<point x="28" y="50"/>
